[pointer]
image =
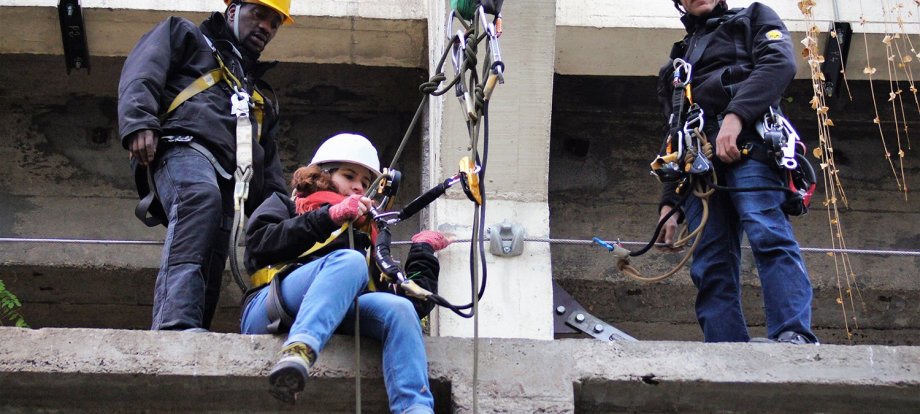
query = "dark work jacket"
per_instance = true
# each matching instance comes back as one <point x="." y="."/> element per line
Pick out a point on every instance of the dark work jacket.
<point x="170" y="57"/>
<point x="275" y="234"/>
<point x="745" y="68"/>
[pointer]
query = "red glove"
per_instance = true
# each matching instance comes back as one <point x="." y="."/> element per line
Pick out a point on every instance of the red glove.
<point x="436" y="240"/>
<point x="349" y="209"/>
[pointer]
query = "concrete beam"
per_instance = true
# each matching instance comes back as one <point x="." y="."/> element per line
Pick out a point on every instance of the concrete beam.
<point x="365" y="32"/>
<point x="125" y="371"/>
<point x="633" y="38"/>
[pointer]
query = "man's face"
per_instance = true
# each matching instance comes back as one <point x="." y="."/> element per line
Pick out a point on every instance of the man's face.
<point x="258" y="25"/>
<point x="699" y="7"/>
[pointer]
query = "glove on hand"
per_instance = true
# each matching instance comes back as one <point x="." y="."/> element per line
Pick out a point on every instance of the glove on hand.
<point x="347" y="210"/>
<point x="436" y="240"/>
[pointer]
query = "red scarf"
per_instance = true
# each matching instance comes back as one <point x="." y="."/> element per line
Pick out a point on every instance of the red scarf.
<point x="320" y="198"/>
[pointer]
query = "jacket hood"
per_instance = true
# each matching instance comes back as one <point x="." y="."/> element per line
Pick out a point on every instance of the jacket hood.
<point x="692" y="23"/>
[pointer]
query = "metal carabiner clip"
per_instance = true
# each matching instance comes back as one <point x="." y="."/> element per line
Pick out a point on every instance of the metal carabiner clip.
<point x="469" y="180"/>
<point x="695" y="120"/>
<point x="682" y="72"/>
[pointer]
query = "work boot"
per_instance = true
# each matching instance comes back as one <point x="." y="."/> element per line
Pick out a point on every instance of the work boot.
<point x="790" y="337"/>
<point x="290" y="373"/>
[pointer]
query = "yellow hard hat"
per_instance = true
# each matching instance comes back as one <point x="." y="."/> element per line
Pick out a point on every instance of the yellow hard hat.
<point x="280" y="6"/>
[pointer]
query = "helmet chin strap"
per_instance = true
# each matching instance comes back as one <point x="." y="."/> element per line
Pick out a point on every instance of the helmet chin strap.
<point x="236" y="22"/>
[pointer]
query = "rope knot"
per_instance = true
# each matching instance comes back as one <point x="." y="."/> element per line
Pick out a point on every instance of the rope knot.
<point x="431" y="86"/>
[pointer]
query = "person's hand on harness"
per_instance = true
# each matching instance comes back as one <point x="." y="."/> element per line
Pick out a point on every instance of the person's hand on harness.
<point x="349" y="209"/>
<point x="143" y="146"/>
<point x="727" y="140"/>
<point x="436" y="240"/>
<point x="669" y="231"/>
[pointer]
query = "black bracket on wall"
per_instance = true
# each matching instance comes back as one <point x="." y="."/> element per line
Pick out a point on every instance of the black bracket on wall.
<point x="73" y="35"/>
<point x="570" y="317"/>
<point x="835" y="57"/>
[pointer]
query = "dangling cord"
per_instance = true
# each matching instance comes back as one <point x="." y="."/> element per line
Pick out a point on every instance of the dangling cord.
<point x="351" y="245"/>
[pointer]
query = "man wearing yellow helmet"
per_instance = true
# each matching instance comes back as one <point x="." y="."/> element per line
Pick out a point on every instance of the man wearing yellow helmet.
<point x="183" y="92"/>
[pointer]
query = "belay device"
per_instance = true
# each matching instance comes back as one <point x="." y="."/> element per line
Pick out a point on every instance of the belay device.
<point x="781" y="142"/>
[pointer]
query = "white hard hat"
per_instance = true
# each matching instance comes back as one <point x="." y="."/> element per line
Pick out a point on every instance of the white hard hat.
<point x="351" y="148"/>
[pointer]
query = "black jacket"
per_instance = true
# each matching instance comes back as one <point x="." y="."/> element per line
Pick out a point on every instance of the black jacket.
<point x="275" y="233"/>
<point x="170" y="57"/>
<point x="747" y="64"/>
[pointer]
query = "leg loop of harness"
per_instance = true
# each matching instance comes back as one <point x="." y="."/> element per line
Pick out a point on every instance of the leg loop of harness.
<point x="280" y="320"/>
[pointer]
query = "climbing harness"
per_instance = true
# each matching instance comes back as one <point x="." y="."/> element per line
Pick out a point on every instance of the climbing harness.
<point x="684" y="162"/>
<point x="246" y="107"/>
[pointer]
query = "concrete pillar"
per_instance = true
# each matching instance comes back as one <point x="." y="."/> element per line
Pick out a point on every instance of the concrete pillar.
<point x="518" y="296"/>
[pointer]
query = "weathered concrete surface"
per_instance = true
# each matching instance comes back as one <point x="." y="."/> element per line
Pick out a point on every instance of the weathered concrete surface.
<point x="515" y="181"/>
<point x="630" y="38"/>
<point x="65" y="175"/>
<point x="79" y="370"/>
<point x="363" y="32"/>
<point x="606" y="131"/>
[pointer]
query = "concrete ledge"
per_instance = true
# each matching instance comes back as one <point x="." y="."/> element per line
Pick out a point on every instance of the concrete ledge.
<point x="65" y="370"/>
<point x="375" y="34"/>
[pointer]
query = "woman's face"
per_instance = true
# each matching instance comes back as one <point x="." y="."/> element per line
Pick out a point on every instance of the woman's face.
<point x="351" y="179"/>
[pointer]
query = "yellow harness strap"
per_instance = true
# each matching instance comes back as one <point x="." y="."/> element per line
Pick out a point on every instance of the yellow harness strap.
<point x="212" y="78"/>
<point x="267" y="273"/>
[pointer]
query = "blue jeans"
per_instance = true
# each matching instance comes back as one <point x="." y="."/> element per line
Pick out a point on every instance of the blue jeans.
<point x="199" y="206"/>
<point x="716" y="264"/>
<point x="322" y="293"/>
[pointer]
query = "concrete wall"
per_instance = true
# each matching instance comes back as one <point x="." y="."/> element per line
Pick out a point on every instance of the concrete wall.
<point x="62" y="157"/>
<point x="65" y="175"/>
<point x="605" y="133"/>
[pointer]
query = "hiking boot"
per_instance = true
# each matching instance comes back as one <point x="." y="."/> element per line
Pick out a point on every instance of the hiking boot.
<point x="289" y="375"/>
<point x="790" y="337"/>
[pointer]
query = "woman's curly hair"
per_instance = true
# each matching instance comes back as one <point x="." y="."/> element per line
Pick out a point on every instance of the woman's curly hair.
<point x="310" y="179"/>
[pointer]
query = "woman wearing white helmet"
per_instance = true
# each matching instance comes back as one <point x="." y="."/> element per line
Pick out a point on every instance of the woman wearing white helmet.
<point x="313" y="296"/>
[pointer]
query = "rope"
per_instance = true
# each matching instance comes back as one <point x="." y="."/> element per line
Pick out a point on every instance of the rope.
<point x="866" y="252"/>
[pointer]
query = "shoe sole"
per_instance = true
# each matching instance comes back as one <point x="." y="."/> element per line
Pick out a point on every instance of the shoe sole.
<point x="285" y="384"/>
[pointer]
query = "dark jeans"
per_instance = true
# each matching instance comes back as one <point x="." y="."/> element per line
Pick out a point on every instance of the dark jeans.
<point x="199" y="205"/>
<point x="716" y="272"/>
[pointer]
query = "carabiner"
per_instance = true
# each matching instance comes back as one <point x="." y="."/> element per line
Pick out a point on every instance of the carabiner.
<point x="469" y="179"/>
<point x="682" y="67"/>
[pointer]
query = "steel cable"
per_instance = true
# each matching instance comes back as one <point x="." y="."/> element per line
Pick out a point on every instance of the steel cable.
<point x="876" y="252"/>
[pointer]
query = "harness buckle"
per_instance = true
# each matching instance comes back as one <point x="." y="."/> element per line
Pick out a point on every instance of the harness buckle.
<point x="239" y="103"/>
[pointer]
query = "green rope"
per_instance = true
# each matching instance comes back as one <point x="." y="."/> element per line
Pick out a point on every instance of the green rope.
<point x="466" y="8"/>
